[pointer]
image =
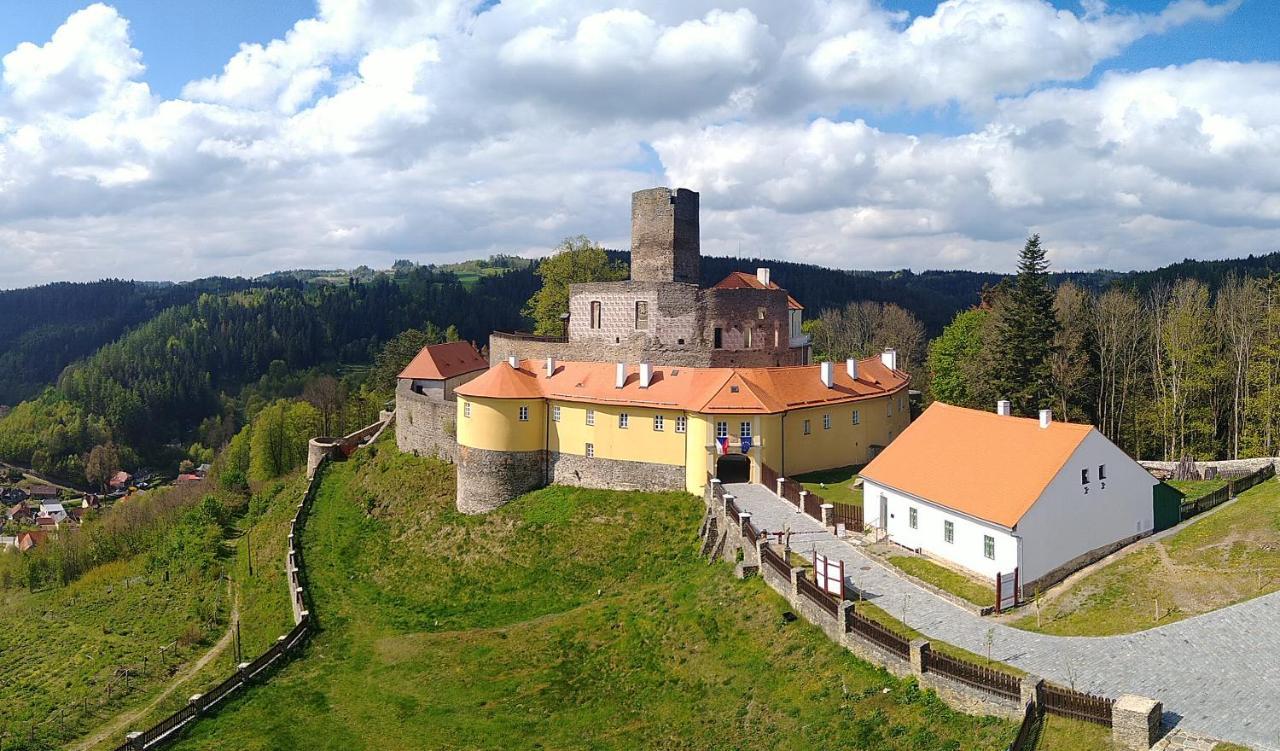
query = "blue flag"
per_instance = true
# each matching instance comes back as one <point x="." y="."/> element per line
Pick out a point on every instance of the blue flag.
<point x="746" y="443"/>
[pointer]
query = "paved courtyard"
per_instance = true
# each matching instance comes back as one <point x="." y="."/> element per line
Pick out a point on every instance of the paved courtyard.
<point x="1217" y="673"/>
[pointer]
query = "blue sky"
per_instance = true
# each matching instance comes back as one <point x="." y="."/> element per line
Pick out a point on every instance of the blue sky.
<point x="816" y="130"/>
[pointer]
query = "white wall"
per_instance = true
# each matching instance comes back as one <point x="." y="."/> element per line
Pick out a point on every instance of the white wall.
<point x="1067" y="521"/>
<point x="966" y="551"/>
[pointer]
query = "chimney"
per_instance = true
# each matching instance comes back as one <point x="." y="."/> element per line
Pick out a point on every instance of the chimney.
<point x="828" y="375"/>
<point x="851" y="367"/>
<point x="514" y="362"/>
<point x="890" y="358"/>
<point x="646" y="375"/>
<point x="551" y="366"/>
<point x="1004" y="408"/>
<point x="1046" y="417"/>
<point x="620" y="379"/>
<point x="763" y="275"/>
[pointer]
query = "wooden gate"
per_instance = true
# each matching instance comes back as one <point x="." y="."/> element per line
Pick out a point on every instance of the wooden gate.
<point x="828" y="573"/>
<point x="1006" y="590"/>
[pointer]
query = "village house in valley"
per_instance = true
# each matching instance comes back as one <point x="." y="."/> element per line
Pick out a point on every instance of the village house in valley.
<point x="993" y="494"/>
<point x="658" y="384"/>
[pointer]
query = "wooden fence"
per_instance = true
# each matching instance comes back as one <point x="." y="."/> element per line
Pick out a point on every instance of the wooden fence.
<point x="849" y="515"/>
<point x="775" y="561"/>
<point x="811" y="591"/>
<point x="1224" y="494"/>
<point x="1028" y="737"/>
<point x="1066" y="702"/>
<point x="749" y="531"/>
<point x="977" y="676"/>
<point x="879" y="634"/>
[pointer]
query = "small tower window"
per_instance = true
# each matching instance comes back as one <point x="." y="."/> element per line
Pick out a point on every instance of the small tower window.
<point x="524" y="414"/>
<point x="624" y="420"/>
<point x="596" y="315"/>
<point x="856" y="417"/>
<point x="722" y="429"/>
<point x="658" y="423"/>
<point x="718" y="338"/>
<point x="807" y="428"/>
<point x="591" y="451"/>
<point x="642" y="315"/>
<point x="555" y="413"/>
<point x="826" y="421"/>
<point x="682" y="423"/>
<point x="591" y="417"/>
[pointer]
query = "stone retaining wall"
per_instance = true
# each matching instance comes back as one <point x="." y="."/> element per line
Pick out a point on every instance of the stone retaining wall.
<point x="426" y="426"/>
<point x="614" y="474"/>
<point x="1222" y="465"/>
<point x="489" y="479"/>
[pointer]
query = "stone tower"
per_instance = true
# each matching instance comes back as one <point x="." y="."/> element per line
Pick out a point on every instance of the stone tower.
<point x="664" y="236"/>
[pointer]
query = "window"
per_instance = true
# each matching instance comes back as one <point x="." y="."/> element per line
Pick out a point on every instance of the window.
<point x="889" y="408"/>
<point x="466" y="409"/>
<point x="857" y="418"/>
<point x="1102" y="471"/>
<point x="747" y="332"/>
<point x="682" y="423"/>
<point x="722" y="429"/>
<point x="591" y="417"/>
<point x="744" y="430"/>
<point x="759" y="314"/>
<point x="658" y="423"/>
<point x="555" y="413"/>
<point x="913" y="517"/>
<point x="591" y="451"/>
<point x="826" y="421"/>
<point x="624" y="420"/>
<point x="717" y="338"/>
<point x="595" y="314"/>
<point x="989" y="546"/>
<point x="642" y="314"/>
<point x="1084" y="476"/>
<point x="949" y="532"/>
<point x="807" y="429"/>
<point x="524" y="414"/>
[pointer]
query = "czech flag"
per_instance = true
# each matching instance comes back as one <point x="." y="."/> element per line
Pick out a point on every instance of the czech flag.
<point x="746" y="443"/>
<point x="722" y="445"/>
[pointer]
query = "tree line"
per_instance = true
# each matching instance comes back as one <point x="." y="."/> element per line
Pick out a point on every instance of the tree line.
<point x="1171" y="368"/>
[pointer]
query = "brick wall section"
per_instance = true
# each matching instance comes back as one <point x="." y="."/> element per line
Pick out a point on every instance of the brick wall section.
<point x="489" y="479"/>
<point x="614" y="474"/>
<point x="665" y="243"/>
<point x="426" y="425"/>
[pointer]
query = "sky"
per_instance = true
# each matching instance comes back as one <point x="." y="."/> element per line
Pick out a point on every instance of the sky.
<point x="154" y="140"/>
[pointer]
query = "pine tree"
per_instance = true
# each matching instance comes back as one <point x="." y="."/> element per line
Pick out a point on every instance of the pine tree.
<point x="1025" y="334"/>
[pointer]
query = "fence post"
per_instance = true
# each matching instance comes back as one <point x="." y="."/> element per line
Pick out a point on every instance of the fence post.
<point x="919" y="649"/>
<point x="134" y="740"/>
<point x="728" y="499"/>
<point x="243" y="670"/>
<point x="1135" y="722"/>
<point x="797" y="573"/>
<point x="194" y="703"/>
<point x="1031" y="686"/>
<point x="715" y="484"/>
<point x="828" y="514"/>
<point x="779" y="484"/>
<point x="804" y="494"/>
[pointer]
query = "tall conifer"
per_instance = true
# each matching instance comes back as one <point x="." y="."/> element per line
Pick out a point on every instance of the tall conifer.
<point x="1026" y="330"/>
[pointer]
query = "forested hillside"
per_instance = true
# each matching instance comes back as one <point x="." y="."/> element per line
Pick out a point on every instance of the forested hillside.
<point x="44" y="329"/>
<point x="152" y="388"/>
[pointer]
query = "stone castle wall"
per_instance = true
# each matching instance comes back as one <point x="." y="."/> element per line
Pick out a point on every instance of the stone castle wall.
<point x="614" y="474"/>
<point x="426" y="423"/>
<point x="489" y="479"/>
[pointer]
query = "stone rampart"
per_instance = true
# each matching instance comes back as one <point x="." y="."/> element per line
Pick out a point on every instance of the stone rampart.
<point x="614" y="474"/>
<point x="489" y="479"/>
<point x="426" y="426"/>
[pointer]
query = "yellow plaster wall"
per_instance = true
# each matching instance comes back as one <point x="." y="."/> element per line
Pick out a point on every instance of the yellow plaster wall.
<point x="638" y="442"/>
<point x="844" y="443"/>
<point x="494" y="424"/>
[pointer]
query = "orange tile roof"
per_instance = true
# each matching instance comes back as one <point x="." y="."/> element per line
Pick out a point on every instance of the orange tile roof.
<point x="707" y="390"/>
<point x="743" y="280"/>
<point x="982" y="464"/>
<point x="442" y="361"/>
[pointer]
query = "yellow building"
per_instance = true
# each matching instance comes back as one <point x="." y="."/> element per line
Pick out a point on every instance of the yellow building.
<point x="527" y="423"/>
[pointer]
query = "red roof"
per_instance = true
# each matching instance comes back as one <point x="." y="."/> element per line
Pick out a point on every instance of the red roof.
<point x="706" y="390"/>
<point x="442" y="361"/>
<point x="189" y="477"/>
<point x="120" y="478"/>
<point x="743" y="280"/>
<point x="28" y="540"/>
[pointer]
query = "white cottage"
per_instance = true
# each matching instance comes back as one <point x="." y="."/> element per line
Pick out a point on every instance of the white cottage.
<point x="990" y="494"/>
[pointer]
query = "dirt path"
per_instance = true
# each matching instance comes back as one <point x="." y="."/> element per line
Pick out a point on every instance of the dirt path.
<point x="127" y="721"/>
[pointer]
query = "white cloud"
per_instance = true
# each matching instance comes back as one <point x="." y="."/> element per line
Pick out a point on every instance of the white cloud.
<point x="440" y="130"/>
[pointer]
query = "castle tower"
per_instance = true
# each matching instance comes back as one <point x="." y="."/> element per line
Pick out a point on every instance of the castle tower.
<point x="664" y="236"/>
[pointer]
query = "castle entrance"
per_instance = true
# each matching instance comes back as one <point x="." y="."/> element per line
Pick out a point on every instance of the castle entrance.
<point x="733" y="468"/>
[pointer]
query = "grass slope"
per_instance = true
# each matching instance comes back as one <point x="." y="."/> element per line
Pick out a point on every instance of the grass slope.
<point x="1227" y="556"/>
<point x="59" y="648"/>
<point x="834" y="485"/>
<point x="944" y="578"/>
<point x="568" y="619"/>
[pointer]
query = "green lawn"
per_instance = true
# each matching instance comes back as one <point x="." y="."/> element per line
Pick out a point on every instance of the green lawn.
<point x="944" y="578"/>
<point x="1063" y="734"/>
<point x="1194" y="489"/>
<point x="834" y="485"/>
<point x="1224" y="557"/>
<point x="569" y="619"/>
<point x="882" y="616"/>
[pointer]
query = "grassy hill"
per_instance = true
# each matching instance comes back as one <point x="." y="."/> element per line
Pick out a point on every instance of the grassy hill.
<point x="568" y="619"/>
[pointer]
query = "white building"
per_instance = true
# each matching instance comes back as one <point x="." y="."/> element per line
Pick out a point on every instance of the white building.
<point x="53" y="510"/>
<point x="988" y="493"/>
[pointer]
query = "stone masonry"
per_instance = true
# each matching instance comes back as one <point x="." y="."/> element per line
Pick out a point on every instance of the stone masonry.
<point x="427" y="426"/>
<point x="665" y="244"/>
<point x="489" y="479"/>
<point x="613" y="474"/>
